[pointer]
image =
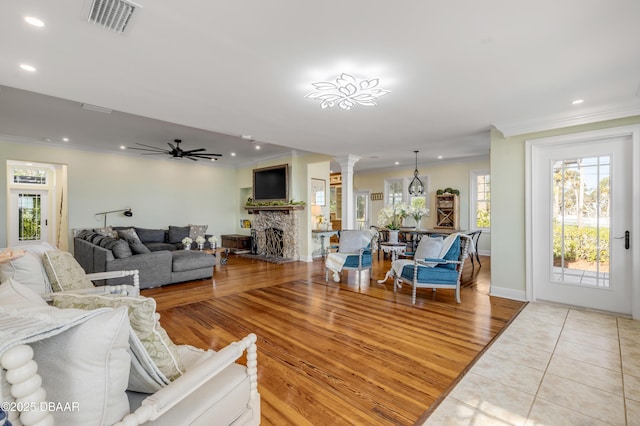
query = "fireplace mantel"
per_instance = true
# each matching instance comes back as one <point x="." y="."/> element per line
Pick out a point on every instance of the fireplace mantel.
<point x="284" y="209"/>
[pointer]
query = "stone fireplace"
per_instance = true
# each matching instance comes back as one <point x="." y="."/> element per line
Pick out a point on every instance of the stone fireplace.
<point x="276" y="231"/>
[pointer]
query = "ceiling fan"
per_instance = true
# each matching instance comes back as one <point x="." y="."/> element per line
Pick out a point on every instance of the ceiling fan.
<point x="177" y="152"/>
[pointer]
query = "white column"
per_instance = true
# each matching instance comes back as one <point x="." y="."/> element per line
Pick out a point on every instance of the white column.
<point x="348" y="200"/>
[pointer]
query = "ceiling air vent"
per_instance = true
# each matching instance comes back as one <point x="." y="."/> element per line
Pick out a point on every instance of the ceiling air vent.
<point x="112" y="14"/>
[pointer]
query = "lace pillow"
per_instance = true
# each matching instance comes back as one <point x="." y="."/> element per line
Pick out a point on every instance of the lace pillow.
<point x="144" y="322"/>
<point x="196" y="231"/>
<point x="64" y="272"/>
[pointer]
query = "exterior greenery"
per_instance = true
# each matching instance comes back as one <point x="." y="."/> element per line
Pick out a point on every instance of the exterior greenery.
<point x="581" y="243"/>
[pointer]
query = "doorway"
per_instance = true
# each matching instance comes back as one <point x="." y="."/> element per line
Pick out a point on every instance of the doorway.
<point x="36" y="205"/>
<point x="362" y="210"/>
<point x="579" y="221"/>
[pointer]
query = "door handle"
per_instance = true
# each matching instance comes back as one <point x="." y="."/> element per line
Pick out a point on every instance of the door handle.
<point x="626" y="239"/>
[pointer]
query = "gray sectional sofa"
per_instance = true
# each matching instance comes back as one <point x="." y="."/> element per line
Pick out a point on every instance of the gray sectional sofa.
<point x="159" y="262"/>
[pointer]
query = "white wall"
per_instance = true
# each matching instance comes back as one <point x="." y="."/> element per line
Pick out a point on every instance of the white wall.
<point x="160" y="192"/>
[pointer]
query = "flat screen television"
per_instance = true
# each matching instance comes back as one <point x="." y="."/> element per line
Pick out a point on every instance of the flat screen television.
<point x="271" y="183"/>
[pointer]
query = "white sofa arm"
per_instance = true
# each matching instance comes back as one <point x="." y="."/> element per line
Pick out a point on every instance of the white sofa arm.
<point x="124" y="289"/>
<point x="154" y="406"/>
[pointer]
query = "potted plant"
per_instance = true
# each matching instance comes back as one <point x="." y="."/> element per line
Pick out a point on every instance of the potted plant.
<point x="391" y="217"/>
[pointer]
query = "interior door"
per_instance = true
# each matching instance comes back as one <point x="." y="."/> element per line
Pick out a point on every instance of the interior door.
<point x="580" y="223"/>
<point x="28" y="217"/>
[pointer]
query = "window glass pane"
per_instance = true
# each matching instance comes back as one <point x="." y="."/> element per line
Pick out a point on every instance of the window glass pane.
<point x="30" y="176"/>
<point x="581" y="206"/>
<point x="394" y="192"/>
<point x="483" y="204"/>
<point x="29" y="217"/>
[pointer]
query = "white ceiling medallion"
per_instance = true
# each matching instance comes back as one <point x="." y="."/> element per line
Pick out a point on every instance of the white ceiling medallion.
<point x="346" y="92"/>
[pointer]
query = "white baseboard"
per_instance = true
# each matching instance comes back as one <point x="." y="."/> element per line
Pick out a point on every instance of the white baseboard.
<point x="508" y="293"/>
<point x="484" y="253"/>
<point x="306" y="259"/>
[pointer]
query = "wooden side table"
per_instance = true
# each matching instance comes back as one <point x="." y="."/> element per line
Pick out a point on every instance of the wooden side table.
<point x="221" y="254"/>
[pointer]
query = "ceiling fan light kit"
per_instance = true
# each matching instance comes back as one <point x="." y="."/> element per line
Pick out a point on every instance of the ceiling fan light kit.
<point x="177" y="152"/>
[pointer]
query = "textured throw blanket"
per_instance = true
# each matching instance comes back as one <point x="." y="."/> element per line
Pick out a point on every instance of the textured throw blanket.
<point x="335" y="261"/>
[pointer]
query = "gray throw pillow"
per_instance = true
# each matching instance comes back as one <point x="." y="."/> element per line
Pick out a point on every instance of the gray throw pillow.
<point x="150" y="235"/>
<point x="177" y="233"/>
<point x="119" y="248"/>
<point x="131" y="237"/>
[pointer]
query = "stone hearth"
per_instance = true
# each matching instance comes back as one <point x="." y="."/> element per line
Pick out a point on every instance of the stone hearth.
<point x="287" y="221"/>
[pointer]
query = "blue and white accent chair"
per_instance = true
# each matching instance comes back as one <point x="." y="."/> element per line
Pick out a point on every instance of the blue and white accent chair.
<point x="354" y="253"/>
<point x="430" y="270"/>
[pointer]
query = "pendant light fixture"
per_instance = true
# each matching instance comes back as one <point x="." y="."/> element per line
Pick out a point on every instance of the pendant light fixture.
<point x="416" y="187"/>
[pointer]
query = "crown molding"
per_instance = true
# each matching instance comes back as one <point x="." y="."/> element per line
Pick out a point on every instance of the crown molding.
<point x="610" y="112"/>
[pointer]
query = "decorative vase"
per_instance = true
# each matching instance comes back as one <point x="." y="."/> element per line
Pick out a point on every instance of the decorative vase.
<point x="201" y="246"/>
<point x="393" y="236"/>
<point x="187" y="246"/>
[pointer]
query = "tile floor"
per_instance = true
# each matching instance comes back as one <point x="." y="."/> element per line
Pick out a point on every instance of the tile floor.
<point x="554" y="365"/>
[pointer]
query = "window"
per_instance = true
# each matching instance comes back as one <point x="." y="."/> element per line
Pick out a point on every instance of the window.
<point x="393" y="189"/>
<point x="29" y="176"/>
<point x="481" y="201"/>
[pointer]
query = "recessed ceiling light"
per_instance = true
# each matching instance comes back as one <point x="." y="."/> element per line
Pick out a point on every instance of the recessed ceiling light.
<point x="34" y="21"/>
<point x="214" y="159"/>
<point x="233" y="154"/>
<point x="396" y="163"/>
<point x="65" y="139"/>
<point x="577" y="102"/>
<point x="440" y="157"/>
<point x="257" y="146"/>
<point x="123" y="147"/>
<point x="28" y="67"/>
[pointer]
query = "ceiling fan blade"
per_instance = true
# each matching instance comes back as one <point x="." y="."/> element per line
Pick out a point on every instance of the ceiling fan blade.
<point x="208" y="153"/>
<point x="195" y="150"/>
<point x="173" y="147"/>
<point x="190" y="157"/>
<point x="160" y="151"/>
<point x="153" y="153"/>
<point x="148" y="146"/>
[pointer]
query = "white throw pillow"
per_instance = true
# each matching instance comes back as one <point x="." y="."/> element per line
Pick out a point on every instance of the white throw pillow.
<point x="14" y="295"/>
<point x="353" y="241"/>
<point x="86" y="370"/>
<point x="25" y="271"/>
<point x="429" y="248"/>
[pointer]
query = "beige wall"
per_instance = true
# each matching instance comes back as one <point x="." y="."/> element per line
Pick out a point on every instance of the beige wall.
<point x="160" y="192"/>
<point x="455" y="175"/>
<point x="508" y="204"/>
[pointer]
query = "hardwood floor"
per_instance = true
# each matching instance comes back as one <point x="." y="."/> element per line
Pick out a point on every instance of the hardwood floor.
<point x="331" y="353"/>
